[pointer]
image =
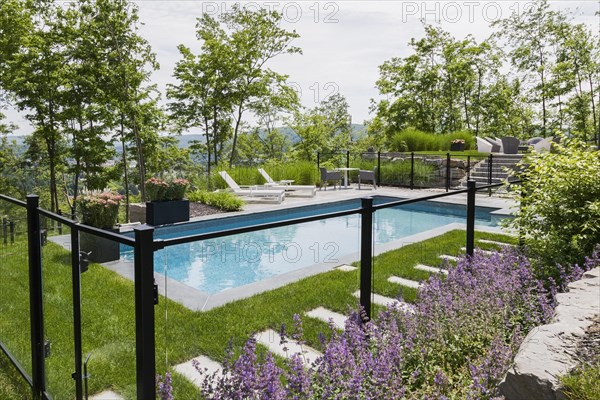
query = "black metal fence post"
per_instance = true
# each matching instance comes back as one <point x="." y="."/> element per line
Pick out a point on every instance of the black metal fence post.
<point x="347" y="158"/>
<point x="76" y="285"/>
<point x="4" y="230"/>
<point x="470" y="217"/>
<point x="447" y="172"/>
<point x="468" y="168"/>
<point x="11" y="230"/>
<point x="379" y="168"/>
<point x="366" y="251"/>
<point x="490" y="170"/>
<point x="144" y="312"/>
<point x="318" y="160"/>
<point x="36" y="301"/>
<point x="412" y="170"/>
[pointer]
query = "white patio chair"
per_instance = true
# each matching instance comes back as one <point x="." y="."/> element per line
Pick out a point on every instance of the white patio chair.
<point x="291" y="190"/>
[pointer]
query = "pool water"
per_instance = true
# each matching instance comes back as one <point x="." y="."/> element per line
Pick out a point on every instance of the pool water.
<point x="215" y="265"/>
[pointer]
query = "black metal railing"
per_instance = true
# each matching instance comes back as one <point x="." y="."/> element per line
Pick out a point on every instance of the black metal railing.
<point x="422" y="170"/>
<point x="145" y="245"/>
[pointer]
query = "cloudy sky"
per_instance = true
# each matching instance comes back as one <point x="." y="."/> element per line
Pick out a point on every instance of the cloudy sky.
<point x="343" y="41"/>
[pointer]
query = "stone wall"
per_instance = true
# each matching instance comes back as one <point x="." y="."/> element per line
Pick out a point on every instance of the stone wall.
<point x="547" y="351"/>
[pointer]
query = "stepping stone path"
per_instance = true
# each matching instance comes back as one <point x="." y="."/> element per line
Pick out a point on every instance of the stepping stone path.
<point x="385" y="301"/>
<point x="404" y="282"/>
<point x="346" y="268"/>
<point x="433" y="270"/>
<point x="449" y="258"/>
<point x="107" y="395"/>
<point x="496" y="243"/>
<point x="326" y="315"/>
<point x="188" y="370"/>
<point x="272" y="340"/>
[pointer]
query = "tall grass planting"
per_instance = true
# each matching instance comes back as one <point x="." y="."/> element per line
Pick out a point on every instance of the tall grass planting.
<point x="411" y="139"/>
<point x="301" y="172"/>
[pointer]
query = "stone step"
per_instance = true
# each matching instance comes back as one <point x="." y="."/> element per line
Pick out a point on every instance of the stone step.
<point x="346" y="268"/>
<point x="404" y="282"/>
<point x="433" y="270"/>
<point x="323" y="314"/>
<point x="207" y="365"/>
<point x="272" y="341"/>
<point x="386" y="301"/>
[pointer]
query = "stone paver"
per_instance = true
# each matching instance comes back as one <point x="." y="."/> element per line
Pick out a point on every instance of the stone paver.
<point x="272" y="340"/>
<point x="487" y="252"/>
<point x="385" y="301"/>
<point x="188" y="370"/>
<point x="107" y="395"/>
<point x="434" y="270"/>
<point x="404" y="282"/>
<point x="339" y="320"/>
<point x="449" y="258"/>
<point x="347" y="268"/>
<point x="495" y="242"/>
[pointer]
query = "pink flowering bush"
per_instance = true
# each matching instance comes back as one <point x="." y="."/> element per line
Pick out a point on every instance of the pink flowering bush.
<point x="100" y="209"/>
<point x="458" y="342"/>
<point x="163" y="190"/>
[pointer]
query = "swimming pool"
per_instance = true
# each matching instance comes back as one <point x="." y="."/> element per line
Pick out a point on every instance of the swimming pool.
<point x="215" y="265"/>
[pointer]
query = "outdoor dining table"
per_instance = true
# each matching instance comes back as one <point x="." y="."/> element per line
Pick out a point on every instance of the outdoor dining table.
<point x="346" y="174"/>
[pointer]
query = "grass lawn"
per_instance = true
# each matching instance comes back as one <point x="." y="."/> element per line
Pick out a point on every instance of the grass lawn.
<point x="109" y="320"/>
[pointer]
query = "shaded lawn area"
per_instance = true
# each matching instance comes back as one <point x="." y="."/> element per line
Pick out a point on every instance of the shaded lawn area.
<point x="181" y="334"/>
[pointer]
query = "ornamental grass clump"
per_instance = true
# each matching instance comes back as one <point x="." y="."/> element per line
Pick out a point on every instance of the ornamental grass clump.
<point x="458" y="342"/>
<point x="100" y="209"/>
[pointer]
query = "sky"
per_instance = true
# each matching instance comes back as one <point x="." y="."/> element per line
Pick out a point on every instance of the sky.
<point x="343" y="42"/>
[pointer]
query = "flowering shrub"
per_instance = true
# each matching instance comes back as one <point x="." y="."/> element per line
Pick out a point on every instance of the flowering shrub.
<point x="163" y="190"/>
<point x="458" y="343"/>
<point x="100" y="209"/>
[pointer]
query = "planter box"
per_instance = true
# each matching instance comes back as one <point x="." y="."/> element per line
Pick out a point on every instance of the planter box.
<point x="457" y="147"/>
<point x="101" y="250"/>
<point x="167" y="212"/>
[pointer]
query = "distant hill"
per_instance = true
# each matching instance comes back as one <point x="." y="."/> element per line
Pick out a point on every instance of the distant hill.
<point x="358" y="131"/>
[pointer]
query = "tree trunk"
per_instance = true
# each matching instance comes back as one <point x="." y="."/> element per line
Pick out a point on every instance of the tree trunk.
<point x="235" y="133"/>
<point x="125" y="170"/>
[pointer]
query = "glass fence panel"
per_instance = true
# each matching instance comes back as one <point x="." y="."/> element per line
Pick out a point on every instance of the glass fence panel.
<point x="14" y="285"/>
<point x="221" y="292"/>
<point x="108" y="317"/>
<point x="57" y="295"/>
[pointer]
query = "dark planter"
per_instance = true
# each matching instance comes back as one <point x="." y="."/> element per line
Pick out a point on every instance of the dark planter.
<point x="100" y="249"/>
<point x="167" y="212"/>
<point x="457" y="147"/>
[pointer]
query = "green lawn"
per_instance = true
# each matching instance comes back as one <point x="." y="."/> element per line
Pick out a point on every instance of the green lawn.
<point x="108" y="316"/>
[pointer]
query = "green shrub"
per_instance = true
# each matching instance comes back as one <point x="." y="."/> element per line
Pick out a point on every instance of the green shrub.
<point x="223" y="200"/>
<point x="412" y="139"/>
<point x="559" y="217"/>
<point x="583" y="383"/>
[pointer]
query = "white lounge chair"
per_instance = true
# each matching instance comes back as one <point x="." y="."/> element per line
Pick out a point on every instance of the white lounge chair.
<point x="543" y="145"/>
<point x="291" y="190"/>
<point x="253" y="191"/>
<point x="483" y="146"/>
